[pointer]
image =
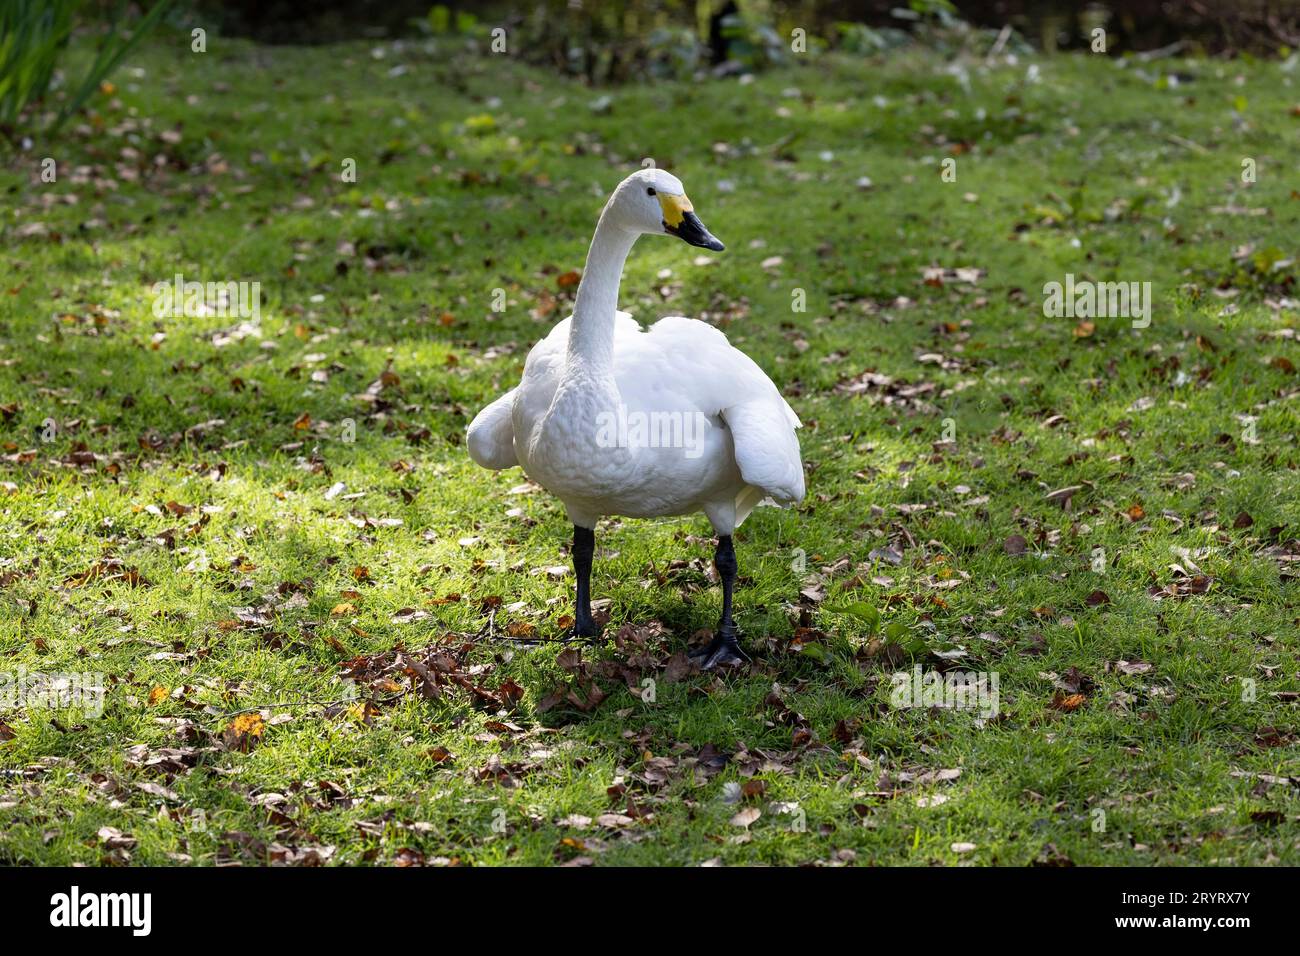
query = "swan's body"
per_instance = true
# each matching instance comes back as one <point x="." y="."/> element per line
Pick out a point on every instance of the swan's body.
<point x="686" y="383"/>
<point x="614" y="420"/>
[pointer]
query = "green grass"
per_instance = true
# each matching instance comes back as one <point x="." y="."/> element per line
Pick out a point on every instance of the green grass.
<point x="478" y="174"/>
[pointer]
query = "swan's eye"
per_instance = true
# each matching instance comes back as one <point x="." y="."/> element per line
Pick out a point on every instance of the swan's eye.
<point x="650" y="191"/>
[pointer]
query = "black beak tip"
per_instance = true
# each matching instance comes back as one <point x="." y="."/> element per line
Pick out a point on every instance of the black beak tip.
<point x="693" y="232"/>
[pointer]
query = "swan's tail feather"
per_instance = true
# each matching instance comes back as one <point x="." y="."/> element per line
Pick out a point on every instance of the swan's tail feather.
<point x="767" y="449"/>
<point x="747" y="501"/>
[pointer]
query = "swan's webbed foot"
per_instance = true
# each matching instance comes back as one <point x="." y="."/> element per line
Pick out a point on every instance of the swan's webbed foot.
<point x="584" y="632"/>
<point x="723" y="650"/>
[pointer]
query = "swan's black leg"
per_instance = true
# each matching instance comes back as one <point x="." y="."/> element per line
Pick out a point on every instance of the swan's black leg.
<point x="584" y="547"/>
<point x="724" y="648"/>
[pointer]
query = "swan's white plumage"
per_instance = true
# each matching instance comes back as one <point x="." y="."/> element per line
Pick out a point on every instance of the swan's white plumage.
<point x="745" y="448"/>
<point x="490" y="438"/>
<point x="749" y="450"/>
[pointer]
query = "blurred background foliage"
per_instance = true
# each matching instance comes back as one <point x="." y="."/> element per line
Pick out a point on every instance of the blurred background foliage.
<point x="622" y="40"/>
<point x="616" y="41"/>
<point x="33" y="37"/>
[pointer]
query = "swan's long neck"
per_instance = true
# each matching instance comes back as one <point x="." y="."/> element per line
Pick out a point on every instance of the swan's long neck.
<point x="591" y="334"/>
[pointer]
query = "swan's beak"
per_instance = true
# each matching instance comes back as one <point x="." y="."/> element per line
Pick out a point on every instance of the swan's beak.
<point x="680" y="221"/>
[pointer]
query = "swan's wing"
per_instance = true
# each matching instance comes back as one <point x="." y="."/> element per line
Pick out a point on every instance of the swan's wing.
<point x="490" y="437"/>
<point x="722" y="380"/>
<point x="624" y="324"/>
<point x="723" y="375"/>
<point x="767" y="450"/>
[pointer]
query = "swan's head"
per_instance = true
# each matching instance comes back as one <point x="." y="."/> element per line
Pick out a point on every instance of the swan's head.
<point x="653" y="202"/>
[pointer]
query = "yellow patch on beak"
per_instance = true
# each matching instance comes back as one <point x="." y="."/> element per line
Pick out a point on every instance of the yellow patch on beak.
<point x="675" y="209"/>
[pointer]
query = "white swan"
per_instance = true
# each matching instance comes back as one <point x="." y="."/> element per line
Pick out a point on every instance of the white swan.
<point x="614" y="420"/>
